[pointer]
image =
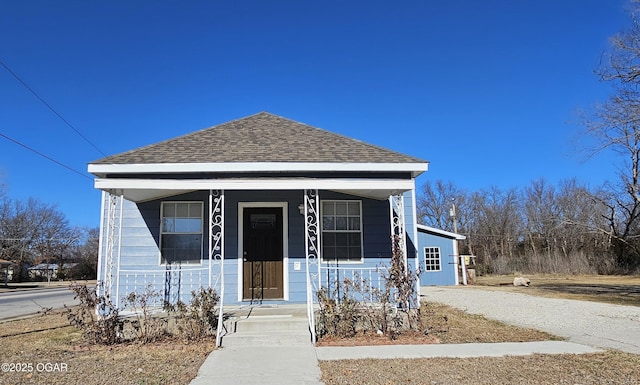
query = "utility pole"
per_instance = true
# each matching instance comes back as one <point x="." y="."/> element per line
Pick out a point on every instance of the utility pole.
<point x="452" y="214"/>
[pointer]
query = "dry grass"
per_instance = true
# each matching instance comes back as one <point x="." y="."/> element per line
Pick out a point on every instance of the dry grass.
<point x="447" y="325"/>
<point x="453" y="326"/>
<point x="47" y="339"/>
<point x="620" y="290"/>
<point x="599" y="368"/>
<point x="610" y="367"/>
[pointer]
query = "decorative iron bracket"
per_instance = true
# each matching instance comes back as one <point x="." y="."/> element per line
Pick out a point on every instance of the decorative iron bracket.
<point x="216" y="252"/>
<point x="112" y="235"/>
<point x="398" y="226"/>
<point x="312" y="252"/>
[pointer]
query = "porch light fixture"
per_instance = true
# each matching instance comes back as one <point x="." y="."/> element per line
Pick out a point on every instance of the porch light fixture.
<point x="301" y="208"/>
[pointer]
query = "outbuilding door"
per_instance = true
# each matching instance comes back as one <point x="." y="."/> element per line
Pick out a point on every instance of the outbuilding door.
<point x="262" y="253"/>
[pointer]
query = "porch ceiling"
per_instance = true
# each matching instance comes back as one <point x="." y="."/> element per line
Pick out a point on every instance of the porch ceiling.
<point x="139" y="190"/>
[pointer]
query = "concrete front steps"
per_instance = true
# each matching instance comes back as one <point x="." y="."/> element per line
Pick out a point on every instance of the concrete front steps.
<point x="272" y="325"/>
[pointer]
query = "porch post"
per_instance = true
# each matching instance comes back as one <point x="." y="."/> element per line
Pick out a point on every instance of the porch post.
<point x="312" y="252"/>
<point x="112" y="235"/>
<point x="101" y="244"/>
<point x="119" y="252"/>
<point x="216" y="251"/>
<point x="398" y="227"/>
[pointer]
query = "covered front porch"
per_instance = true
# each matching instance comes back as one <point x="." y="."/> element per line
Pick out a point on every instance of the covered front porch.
<point x="235" y="223"/>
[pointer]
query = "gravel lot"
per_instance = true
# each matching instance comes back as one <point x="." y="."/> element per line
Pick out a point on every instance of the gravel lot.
<point x="589" y="323"/>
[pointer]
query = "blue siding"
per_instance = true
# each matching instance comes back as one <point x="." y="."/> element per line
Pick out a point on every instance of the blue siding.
<point x="447" y="276"/>
<point x="410" y="223"/>
<point x="139" y="245"/>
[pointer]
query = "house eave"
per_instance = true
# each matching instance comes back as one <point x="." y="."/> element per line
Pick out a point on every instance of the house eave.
<point x="433" y="230"/>
<point x="138" y="190"/>
<point x="102" y="170"/>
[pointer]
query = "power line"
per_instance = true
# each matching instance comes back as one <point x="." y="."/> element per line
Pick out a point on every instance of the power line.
<point x="6" y="67"/>
<point x="45" y="156"/>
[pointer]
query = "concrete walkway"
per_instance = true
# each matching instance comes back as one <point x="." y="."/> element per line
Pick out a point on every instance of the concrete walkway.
<point x="452" y="350"/>
<point x="265" y="346"/>
<point x="289" y="365"/>
<point x="265" y="365"/>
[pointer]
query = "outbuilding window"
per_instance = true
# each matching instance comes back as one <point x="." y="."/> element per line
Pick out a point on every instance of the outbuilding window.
<point x="341" y="231"/>
<point x="181" y="233"/>
<point x="432" y="259"/>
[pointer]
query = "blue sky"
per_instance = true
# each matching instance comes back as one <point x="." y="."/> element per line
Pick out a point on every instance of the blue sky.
<point x="487" y="91"/>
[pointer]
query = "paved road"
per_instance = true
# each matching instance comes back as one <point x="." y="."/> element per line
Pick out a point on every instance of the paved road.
<point x="26" y="302"/>
<point x="583" y="322"/>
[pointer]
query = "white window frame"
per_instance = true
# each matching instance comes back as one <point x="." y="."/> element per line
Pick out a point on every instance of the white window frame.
<point x="361" y="231"/>
<point x="201" y="233"/>
<point x="432" y="258"/>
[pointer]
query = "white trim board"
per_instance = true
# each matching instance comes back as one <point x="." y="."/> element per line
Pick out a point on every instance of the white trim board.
<point x="140" y="190"/>
<point x="399" y="185"/>
<point x="144" y="168"/>
<point x="441" y="232"/>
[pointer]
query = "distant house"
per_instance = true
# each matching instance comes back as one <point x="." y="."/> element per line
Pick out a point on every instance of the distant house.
<point x="263" y="209"/>
<point x="47" y="270"/>
<point x="438" y="256"/>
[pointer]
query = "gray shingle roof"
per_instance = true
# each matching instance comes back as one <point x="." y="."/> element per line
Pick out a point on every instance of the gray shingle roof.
<point x="262" y="137"/>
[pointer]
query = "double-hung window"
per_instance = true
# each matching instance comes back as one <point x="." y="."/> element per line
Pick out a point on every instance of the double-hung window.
<point x="432" y="259"/>
<point x="341" y="231"/>
<point x="181" y="232"/>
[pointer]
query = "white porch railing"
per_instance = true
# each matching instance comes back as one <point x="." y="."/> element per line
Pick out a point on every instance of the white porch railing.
<point x="170" y="285"/>
<point x="368" y="280"/>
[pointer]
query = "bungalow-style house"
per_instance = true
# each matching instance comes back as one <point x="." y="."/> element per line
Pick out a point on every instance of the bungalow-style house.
<point x="261" y="208"/>
<point x="48" y="270"/>
<point x="438" y="256"/>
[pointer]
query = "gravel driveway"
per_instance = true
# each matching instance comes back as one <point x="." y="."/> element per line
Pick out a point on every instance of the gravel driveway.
<point x="589" y="323"/>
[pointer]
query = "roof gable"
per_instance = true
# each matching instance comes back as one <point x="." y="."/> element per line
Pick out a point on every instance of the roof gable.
<point x="260" y="138"/>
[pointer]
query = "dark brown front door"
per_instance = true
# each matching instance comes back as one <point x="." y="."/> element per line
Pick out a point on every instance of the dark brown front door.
<point x="262" y="249"/>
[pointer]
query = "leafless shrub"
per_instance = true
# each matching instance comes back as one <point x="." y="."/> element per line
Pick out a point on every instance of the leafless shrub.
<point x="199" y="318"/>
<point x="338" y="317"/>
<point x="353" y="305"/>
<point x="96" y="316"/>
<point x="146" y="326"/>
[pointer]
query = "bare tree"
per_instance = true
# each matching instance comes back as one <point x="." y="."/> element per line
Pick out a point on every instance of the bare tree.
<point x="615" y="126"/>
<point x="32" y="231"/>
<point x="85" y="255"/>
<point x="540" y="228"/>
<point x="541" y="218"/>
<point x="498" y="227"/>
<point x="435" y="201"/>
<point x="582" y="220"/>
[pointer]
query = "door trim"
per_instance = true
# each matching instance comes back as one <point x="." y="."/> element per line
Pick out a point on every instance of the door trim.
<point x="285" y="243"/>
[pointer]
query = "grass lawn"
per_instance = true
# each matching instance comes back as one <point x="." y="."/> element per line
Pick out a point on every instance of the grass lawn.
<point x="600" y="368"/>
<point x="57" y="354"/>
<point x="609" y="367"/>
<point x="44" y="350"/>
